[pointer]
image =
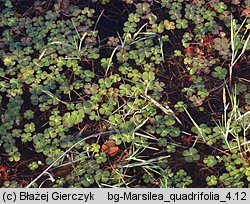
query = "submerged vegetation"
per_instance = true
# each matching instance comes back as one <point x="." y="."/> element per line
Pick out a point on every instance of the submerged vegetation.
<point x="125" y="93"/>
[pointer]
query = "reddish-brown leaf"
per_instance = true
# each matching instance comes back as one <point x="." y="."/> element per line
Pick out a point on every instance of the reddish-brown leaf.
<point x="246" y="12"/>
<point x="110" y="148"/>
<point x="208" y="40"/>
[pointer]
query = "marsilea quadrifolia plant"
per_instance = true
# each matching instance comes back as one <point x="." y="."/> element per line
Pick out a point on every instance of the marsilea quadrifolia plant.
<point x="170" y="85"/>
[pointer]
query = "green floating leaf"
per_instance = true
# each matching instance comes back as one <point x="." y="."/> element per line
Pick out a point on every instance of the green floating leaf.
<point x="191" y="155"/>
